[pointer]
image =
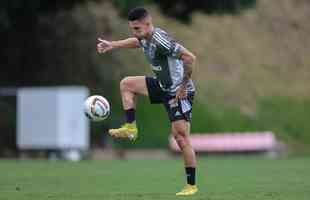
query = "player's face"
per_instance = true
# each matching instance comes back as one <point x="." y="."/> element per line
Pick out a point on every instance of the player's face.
<point x="140" y="28"/>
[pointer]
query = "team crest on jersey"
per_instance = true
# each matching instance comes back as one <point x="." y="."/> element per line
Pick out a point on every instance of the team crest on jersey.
<point x="143" y="42"/>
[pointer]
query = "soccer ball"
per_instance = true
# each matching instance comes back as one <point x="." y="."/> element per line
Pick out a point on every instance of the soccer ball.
<point x="96" y="108"/>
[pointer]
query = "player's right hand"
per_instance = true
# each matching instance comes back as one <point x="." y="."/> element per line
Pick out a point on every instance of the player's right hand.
<point x="181" y="93"/>
<point x="103" y="46"/>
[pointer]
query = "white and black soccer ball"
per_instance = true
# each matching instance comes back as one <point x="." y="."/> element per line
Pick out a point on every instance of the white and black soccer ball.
<point x="96" y="108"/>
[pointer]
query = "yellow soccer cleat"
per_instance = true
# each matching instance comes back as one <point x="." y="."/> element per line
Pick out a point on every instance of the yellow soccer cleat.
<point x="128" y="130"/>
<point x="188" y="190"/>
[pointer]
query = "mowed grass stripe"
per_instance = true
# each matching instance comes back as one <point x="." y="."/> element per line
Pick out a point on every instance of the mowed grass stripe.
<point x="235" y="178"/>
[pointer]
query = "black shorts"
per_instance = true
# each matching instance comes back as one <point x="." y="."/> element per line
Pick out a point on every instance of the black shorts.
<point x="182" y="109"/>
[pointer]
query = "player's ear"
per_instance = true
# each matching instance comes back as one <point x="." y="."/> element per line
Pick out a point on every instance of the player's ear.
<point x="148" y="20"/>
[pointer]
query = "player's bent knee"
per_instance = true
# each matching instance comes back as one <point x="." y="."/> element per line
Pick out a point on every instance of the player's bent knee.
<point x="181" y="140"/>
<point x="125" y="84"/>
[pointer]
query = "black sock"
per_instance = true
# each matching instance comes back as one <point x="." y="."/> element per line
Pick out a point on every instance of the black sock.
<point x="190" y="175"/>
<point x="130" y="115"/>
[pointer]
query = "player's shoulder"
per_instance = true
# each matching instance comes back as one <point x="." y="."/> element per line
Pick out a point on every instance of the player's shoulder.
<point x="160" y="33"/>
<point x="162" y="38"/>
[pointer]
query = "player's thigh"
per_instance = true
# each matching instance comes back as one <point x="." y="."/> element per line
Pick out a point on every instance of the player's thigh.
<point x="135" y="84"/>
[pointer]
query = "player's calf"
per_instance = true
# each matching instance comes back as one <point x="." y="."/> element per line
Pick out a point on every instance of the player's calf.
<point x="180" y="131"/>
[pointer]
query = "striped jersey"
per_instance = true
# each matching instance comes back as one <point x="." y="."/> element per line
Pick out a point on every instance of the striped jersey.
<point x="163" y="53"/>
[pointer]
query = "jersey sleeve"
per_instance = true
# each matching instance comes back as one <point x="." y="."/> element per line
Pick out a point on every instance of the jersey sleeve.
<point x="167" y="46"/>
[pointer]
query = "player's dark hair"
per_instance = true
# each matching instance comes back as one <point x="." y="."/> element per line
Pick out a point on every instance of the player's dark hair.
<point x="137" y="14"/>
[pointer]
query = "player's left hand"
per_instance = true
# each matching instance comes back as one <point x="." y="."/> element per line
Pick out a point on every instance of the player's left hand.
<point x="181" y="93"/>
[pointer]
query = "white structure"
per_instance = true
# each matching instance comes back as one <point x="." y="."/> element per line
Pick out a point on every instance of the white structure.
<point x="52" y="118"/>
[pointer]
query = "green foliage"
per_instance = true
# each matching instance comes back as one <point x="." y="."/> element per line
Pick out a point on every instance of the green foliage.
<point x="182" y="10"/>
<point x="32" y="37"/>
<point x="212" y="118"/>
<point x="7" y="124"/>
<point x="285" y="116"/>
<point x="16" y="13"/>
<point x="125" y="6"/>
<point x="154" y="125"/>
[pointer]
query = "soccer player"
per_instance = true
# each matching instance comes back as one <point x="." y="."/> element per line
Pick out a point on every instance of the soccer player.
<point x="171" y="86"/>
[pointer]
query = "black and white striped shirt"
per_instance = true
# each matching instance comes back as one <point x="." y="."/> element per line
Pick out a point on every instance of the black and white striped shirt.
<point x="163" y="53"/>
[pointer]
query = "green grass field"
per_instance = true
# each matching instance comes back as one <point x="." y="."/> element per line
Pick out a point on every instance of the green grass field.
<point x="229" y="178"/>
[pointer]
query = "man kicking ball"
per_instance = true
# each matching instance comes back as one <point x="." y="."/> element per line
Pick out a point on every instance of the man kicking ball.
<point x="171" y="86"/>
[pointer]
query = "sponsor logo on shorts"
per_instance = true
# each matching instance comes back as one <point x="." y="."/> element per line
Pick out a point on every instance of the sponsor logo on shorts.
<point x="177" y="113"/>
